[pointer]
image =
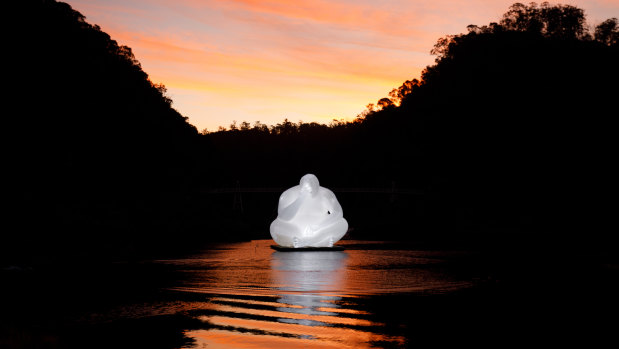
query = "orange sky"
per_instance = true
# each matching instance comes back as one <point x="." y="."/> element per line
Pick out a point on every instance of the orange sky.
<point x="310" y="60"/>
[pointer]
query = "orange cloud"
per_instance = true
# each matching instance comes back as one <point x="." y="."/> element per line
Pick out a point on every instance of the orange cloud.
<point x="225" y="60"/>
<point x="351" y="15"/>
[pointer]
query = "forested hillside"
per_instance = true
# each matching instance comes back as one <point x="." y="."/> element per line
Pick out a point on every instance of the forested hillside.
<point x="510" y="130"/>
<point x="91" y="144"/>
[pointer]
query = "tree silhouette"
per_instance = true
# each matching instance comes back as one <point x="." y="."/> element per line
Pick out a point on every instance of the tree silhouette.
<point x="509" y="129"/>
<point x="607" y="32"/>
<point x="557" y="21"/>
<point x="497" y="133"/>
<point x="95" y="146"/>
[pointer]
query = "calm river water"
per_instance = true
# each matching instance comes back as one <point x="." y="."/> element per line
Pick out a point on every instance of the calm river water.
<point x="256" y="297"/>
<point x="371" y="295"/>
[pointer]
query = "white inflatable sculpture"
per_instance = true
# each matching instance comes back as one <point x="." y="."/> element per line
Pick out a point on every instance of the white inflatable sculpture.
<point x="308" y="215"/>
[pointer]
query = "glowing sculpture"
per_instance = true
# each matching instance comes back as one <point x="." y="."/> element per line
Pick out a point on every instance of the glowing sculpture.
<point x="308" y="215"/>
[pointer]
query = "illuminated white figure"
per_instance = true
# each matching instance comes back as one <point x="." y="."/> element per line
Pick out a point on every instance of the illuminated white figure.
<point x="308" y="215"/>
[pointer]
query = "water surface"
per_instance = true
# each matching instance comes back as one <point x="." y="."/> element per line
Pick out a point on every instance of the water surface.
<point x="248" y="295"/>
<point x="371" y="295"/>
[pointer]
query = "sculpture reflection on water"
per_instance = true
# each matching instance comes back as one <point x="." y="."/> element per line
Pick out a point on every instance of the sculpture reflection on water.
<point x="249" y="296"/>
<point x="308" y="215"/>
<point x="309" y="283"/>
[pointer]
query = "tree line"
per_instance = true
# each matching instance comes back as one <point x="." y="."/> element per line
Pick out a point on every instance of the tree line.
<point x="509" y="130"/>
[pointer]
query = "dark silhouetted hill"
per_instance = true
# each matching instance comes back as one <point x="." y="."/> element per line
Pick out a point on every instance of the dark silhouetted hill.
<point x="94" y="152"/>
<point x="519" y="114"/>
<point x="510" y="130"/>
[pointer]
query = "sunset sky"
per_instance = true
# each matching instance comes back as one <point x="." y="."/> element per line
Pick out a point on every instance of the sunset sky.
<point x="309" y="60"/>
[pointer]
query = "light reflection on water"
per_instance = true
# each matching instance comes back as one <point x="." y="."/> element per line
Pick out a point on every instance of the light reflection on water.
<point x="255" y="297"/>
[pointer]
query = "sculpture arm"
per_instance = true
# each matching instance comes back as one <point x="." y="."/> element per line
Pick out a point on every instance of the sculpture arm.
<point x="287" y="211"/>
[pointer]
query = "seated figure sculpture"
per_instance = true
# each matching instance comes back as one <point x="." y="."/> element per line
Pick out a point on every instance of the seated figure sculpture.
<point x="308" y="215"/>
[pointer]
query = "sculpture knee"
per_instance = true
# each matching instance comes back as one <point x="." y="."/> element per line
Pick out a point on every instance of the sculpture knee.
<point x="339" y="230"/>
<point x="283" y="233"/>
<point x="332" y="233"/>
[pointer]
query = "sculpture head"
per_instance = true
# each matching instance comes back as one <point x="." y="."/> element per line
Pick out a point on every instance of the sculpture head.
<point x="309" y="183"/>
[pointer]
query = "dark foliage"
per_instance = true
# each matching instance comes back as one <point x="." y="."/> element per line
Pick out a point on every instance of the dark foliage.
<point x="93" y="148"/>
<point x="520" y="113"/>
<point x="510" y="130"/>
